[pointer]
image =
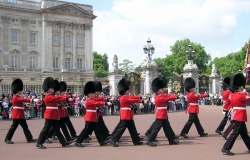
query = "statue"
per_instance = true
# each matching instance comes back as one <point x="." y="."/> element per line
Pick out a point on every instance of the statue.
<point x="115" y="62"/>
<point x="214" y="70"/>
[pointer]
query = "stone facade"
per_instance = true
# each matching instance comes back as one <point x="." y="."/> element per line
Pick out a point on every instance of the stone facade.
<point x="47" y="38"/>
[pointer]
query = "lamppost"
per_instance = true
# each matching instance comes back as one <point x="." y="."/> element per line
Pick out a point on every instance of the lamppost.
<point x="149" y="49"/>
<point x="190" y="53"/>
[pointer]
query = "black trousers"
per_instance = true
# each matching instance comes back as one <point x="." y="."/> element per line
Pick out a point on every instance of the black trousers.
<point x="13" y="127"/>
<point x="166" y="128"/>
<point x="70" y="126"/>
<point x="151" y="128"/>
<point x="90" y="127"/>
<point x="193" y="118"/>
<point x="239" y="129"/>
<point x="45" y="131"/>
<point x="121" y="129"/>
<point x="64" y="129"/>
<point x="229" y="129"/>
<point x="223" y="122"/>
<point x="102" y="126"/>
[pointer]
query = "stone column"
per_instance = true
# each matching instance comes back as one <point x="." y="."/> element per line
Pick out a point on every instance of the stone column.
<point x="44" y="43"/>
<point x="215" y="79"/>
<point x="62" y="38"/>
<point x="49" y="46"/>
<point x="6" y="33"/>
<point x="88" y="41"/>
<point x="115" y="75"/>
<point x="191" y="70"/>
<point x="149" y="72"/>
<point x="74" y="46"/>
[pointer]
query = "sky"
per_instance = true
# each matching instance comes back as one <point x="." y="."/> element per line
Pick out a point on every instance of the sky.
<point x="122" y="27"/>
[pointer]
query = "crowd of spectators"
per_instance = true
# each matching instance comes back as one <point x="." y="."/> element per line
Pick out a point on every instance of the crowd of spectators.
<point x="77" y="107"/>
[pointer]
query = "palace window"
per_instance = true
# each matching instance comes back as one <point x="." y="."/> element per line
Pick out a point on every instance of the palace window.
<point x="79" y="63"/>
<point x="33" y="38"/>
<point x="68" y="40"/>
<point x="32" y="22"/>
<point x="14" y="36"/>
<point x="79" y="41"/>
<point x="14" y="62"/>
<point x="32" y="62"/>
<point x="67" y="63"/>
<point x="15" y="20"/>
<point x="56" y="62"/>
<point x="55" y="39"/>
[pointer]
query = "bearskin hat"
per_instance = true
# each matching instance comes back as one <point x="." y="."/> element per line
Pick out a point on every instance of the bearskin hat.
<point x="157" y="83"/>
<point x="63" y="86"/>
<point x="48" y="83"/>
<point x="189" y="83"/>
<point x="238" y="80"/>
<point x="89" y="88"/>
<point x="165" y="82"/>
<point x="17" y="85"/>
<point x="57" y="85"/>
<point x="123" y="86"/>
<point x="226" y="83"/>
<point x="98" y="86"/>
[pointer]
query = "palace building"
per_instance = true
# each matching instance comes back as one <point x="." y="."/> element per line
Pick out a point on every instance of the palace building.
<point x="48" y="38"/>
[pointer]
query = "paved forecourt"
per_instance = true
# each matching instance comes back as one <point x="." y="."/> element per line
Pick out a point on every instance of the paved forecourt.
<point x="195" y="147"/>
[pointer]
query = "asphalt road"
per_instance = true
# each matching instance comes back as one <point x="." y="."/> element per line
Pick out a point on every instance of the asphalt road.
<point x="193" y="148"/>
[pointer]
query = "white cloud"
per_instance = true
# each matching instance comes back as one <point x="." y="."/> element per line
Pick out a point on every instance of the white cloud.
<point x="125" y="28"/>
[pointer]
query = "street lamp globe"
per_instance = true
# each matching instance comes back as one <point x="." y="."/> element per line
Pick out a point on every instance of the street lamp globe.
<point x="149" y="49"/>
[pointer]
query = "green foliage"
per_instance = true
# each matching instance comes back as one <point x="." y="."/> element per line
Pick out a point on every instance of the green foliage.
<point x="177" y="60"/>
<point x="126" y="66"/>
<point x="100" y="64"/>
<point x="231" y="64"/>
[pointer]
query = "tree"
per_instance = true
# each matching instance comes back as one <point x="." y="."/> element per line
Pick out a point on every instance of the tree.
<point x="126" y="66"/>
<point x="229" y="64"/>
<point x="177" y="60"/>
<point x="106" y="63"/>
<point x="99" y="63"/>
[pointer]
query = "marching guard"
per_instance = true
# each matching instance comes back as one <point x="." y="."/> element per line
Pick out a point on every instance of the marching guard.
<point x="238" y="101"/>
<point x="90" y="117"/>
<point x="158" y="85"/>
<point x="153" y="124"/>
<point x="126" y="114"/>
<point x="226" y="106"/>
<point x="18" y="113"/>
<point x="51" y="114"/>
<point x="193" y="108"/>
<point x="63" y="89"/>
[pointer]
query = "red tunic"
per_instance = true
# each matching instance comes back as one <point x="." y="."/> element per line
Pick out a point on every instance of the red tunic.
<point x="193" y="106"/>
<point x="238" y="101"/>
<point x="125" y="110"/>
<point x="225" y="95"/>
<point x="51" y="103"/>
<point x="97" y="98"/>
<point x="18" y="107"/>
<point x="91" y="113"/>
<point x="66" y="113"/>
<point x="161" y="106"/>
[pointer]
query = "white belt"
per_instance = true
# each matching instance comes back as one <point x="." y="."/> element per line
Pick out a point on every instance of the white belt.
<point x="91" y="110"/>
<point x="161" y="108"/>
<point x="239" y="108"/>
<point x="125" y="108"/>
<point x="193" y="104"/>
<point x="51" y="107"/>
<point x="18" y="107"/>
